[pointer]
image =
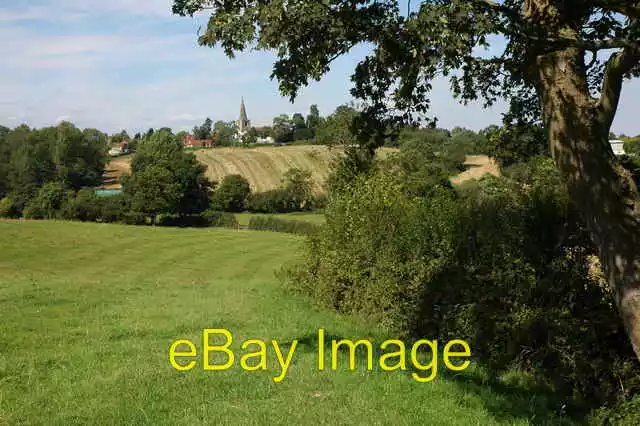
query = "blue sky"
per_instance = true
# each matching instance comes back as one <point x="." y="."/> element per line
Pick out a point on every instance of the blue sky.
<point x="131" y="64"/>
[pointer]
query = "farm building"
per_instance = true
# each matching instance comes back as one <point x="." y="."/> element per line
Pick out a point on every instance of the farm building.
<point x="119" y="149"/>
<point x="617" y="146"/>
<point x="191" y="142"/>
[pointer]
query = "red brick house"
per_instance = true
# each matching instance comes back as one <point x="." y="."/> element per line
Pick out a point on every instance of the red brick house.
<point x="191" y="142"/>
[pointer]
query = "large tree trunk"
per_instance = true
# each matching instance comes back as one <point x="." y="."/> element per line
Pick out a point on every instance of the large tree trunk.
<point x="605" y="193"/>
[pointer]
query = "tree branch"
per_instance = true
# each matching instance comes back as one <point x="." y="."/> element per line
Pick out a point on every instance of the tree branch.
<point x="589" y="45"/>
<point x="498" y="7"/>
<point x="626" y="8"/>
<point x="619" y="64"/>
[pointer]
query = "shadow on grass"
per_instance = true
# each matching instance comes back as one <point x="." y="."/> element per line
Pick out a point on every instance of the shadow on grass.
<point x="505" y="401"/>
<point x="536" y="404"/>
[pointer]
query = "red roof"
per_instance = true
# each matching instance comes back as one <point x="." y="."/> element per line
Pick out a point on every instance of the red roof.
<point x="191" y="142"/>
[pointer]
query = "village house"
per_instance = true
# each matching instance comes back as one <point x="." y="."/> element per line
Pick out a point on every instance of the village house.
<point x="191" y="142"/>
<point x="617" y="146"/>
<point x="120" y="148"/>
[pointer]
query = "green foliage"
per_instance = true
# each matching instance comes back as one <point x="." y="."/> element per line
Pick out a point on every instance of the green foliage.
<point x="47" y="203"/>
<point x="337" y="129"/>
<point x="314" y="119"/>
<point x="302" y="134"/>
<point x="272" y="201"/>
<point x="298" y="185"/>
<point x="224" y="133"/>
<point x="344" y="170"/>
<point x="166" y="179"/>
<point x="632" y="147"/>
<point x="624" y="413"/>
<point x="295" y="194"/>
<point x="268" y="223"/>
<point x="153" y="191"/>
<point x="84" y="206"/>
<point x="204" y="131"/>
<point x="8" y="209"/>
<point x="231" y="194"/>
<point x="123" y="136"/>
<point x="469" y="142"/>
<point x="283" y="128"/>
<point x="427" y="158"/>
<point x="114" y="209"/>
<point x="473" y="264"/>
<point x="516" y="144"/>
<point x="220" y="219"/>
<point x="29" y="158"/>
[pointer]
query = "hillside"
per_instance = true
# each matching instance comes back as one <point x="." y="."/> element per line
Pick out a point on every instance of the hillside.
<point x="264" y="167"/>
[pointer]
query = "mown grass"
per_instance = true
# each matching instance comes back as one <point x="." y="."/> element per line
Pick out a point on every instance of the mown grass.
<point x="317" y="218"/>
<point x="88" y="312"/>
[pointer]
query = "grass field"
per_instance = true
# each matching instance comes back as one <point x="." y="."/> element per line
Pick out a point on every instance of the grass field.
<point x="89" y="311"/>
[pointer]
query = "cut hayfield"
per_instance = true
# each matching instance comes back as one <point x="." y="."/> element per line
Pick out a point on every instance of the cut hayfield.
<point x="477" y="166"/>
<point x="117" y="167"/>
<point x="264" y="167"/>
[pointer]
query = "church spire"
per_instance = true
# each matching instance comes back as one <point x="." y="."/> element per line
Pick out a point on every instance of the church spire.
<point x="243" y="111"/>
<point x="243" y="122"/>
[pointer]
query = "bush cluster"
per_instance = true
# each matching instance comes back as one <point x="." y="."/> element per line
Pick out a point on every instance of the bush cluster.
<point x="267" y="223"/>
<point x="54" y="202"/>
<point x="503" y="263"/>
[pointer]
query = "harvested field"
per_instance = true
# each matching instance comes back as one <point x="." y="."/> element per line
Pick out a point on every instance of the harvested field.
<point x="116" y="168"/>
<point x="264" y="167"/>
<point x="477" y="166"/>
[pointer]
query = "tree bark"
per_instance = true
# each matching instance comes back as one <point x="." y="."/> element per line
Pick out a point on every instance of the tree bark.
<point x="603" y="190"/>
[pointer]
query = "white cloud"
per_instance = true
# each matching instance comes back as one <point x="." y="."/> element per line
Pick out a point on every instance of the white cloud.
<point x="54" y="11"/>
<point x="123" y="64"/>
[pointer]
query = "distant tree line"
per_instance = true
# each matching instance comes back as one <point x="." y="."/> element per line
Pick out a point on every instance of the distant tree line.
<point x="53" y="173"/>
<point x="63" y="155"/>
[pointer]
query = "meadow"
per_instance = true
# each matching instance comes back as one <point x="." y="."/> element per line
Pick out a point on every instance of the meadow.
<point x="89" y="312"/>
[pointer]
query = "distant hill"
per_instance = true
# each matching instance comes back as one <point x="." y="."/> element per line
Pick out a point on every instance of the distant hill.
<point x="264" y="167"/>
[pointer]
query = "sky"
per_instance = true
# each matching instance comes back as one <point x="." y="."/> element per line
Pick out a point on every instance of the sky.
<point x="131" y="64"/>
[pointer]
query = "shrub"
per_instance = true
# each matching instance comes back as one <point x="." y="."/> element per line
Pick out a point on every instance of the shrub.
<point x="516" y="144"/>
<point x="47" y="203"/>
<point x="475" y="265"/>
<point x="8" y="208"/>
<point x="231" y="195"/>
<point x="297" y="186"/>
<point x="112" y="209"/>
<point x="303" y="135"/>
<point x="267" y="223"/>
<point x="632" y="147"/>
<point x="319" y="202"/>
<point x="272" y="201"/>
<point x="83" y="206"/>
<point x="295" y="194"/>
<point x="222" y="219"/>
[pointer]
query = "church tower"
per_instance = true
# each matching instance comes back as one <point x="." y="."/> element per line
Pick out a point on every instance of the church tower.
<point x="243" y="123"/>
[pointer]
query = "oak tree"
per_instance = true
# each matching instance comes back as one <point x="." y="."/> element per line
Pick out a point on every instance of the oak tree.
<point x="559" y="62"/>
